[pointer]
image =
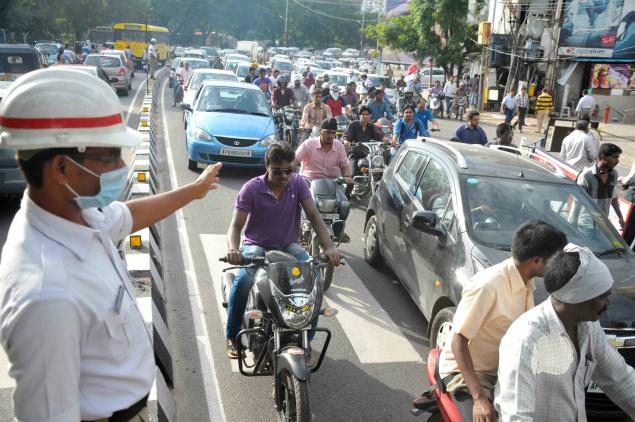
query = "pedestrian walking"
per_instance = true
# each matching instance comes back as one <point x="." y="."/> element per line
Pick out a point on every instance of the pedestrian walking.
<point x="448" y="91"/>
<point x="586" y="105"/>
<point x="578" y="148"/>
<point x="76" y="341"/>
<point x="600" y="180"/>
<point x="508" y="106"/>
<point x="389" y="72"/>
<point x="475" y="85"/>
<point x="522" y="103"/>
<point x="544" y="106"/>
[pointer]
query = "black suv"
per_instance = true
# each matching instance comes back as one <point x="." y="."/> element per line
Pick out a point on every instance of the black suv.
<point x="444" y="211"/>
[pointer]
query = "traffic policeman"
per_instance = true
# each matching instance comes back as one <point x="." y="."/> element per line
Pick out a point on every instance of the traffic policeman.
<point x="69" y="322"/>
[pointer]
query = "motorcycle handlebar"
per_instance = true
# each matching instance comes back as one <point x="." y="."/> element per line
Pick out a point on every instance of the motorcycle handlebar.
<point x="260" y="260"/>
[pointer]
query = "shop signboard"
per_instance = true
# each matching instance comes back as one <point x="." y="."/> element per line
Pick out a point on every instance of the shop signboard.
<point x="613" y="76"/>
<point x="598" y="28"/>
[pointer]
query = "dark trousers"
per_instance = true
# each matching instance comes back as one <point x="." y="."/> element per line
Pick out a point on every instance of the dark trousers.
<point x="522" y="112"/>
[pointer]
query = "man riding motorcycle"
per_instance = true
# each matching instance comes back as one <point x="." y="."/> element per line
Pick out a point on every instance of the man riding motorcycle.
<point x="314" y="113"/>
<point x="335" y="101"/>
<point x="300" y="91"/>
<point x="324" y="157"/>
<point x="407" y="99"/>
<point x="378" y="107"/>
<point x="351" y="97"/>
<point x="182" y="76"/>
<point x="267" y="206"/>
<point x="282" y="96"/>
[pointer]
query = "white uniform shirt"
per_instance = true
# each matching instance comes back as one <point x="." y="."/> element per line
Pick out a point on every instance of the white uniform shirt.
<point x="579" y="150"/>
<point x="541" y="378"/>
<point x="185" y="74"/>
<point x="586" y="101"/>
<point x="72" y="355"/>
<point x="152" y="51"/>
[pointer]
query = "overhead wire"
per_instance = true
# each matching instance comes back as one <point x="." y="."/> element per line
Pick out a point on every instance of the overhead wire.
<point x="318" y="12"/>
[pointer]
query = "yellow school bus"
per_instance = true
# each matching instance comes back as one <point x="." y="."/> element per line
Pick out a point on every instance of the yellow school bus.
<point x="138" y="36"/>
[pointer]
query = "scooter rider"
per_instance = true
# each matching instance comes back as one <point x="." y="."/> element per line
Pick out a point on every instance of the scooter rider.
<point x="300" y="91"/>
<point x="407" y="99"/>
<point x="335" y="101"/>
<point x="69" y="322"/>
<point x="268" y="207"/>
<point x="324" y="157"/>
<point x="490" y="302"/>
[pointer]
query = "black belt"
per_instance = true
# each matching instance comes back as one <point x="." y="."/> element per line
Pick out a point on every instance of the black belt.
<point x="127" y="414"/>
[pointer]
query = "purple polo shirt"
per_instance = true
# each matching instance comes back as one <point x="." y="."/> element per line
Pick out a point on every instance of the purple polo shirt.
<point x="272" y="222"/>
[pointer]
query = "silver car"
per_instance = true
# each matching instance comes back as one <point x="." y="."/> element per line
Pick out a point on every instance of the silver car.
<point x="118" y="72"/>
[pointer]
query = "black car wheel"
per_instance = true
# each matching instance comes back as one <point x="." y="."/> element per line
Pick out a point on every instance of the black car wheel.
<point x="191" y="164"/>
<point x="441" y="327"/>
<point x="371" y="244"/>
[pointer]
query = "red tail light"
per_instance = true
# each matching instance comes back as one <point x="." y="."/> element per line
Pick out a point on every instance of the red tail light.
<point x="122" y="71"/>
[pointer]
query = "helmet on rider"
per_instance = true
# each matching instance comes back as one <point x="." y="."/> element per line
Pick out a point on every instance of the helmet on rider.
<point x="408" y="91"/>
<point x="283" y="80"/>
<point x="297" y="77"/>
<point x="31" y="119"/>
<point x="153" y="40"/>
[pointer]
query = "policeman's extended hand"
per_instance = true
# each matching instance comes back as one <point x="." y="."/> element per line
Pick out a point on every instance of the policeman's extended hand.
<point x="483" y="411"/>
<point x="207" y="180"/>
<point x="234" y="257"/>
<point x="333" y="255"/>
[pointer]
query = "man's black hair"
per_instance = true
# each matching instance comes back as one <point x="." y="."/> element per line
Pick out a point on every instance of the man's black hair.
<point x="582" y="125"/>
<point x="606" y="150"/>
<point x="535" y="238"/>
<point x="364" y="108"/>
<point x="559" y="270"/>
<point x="408" y="106"/>
<point x="472" y="113"/>
<point x="503" y="128"/>
<point x="585" y="116"/>
<point x="585" y="91"/>
<point x="33" y="168"/>
<point x="279" y="152"/>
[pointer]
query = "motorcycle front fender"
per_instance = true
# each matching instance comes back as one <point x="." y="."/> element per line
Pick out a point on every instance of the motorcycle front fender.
<point x="295" y="364"/>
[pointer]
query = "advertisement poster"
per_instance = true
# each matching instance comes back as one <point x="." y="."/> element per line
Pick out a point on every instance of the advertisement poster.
<point x="598" y="28"/>
<point x="613" y="76"/>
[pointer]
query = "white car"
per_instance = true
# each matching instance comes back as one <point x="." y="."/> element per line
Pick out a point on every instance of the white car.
<point x="424" y="75"/>
<point x="197" y="54"/>
<point x="232" y="64"/>
<point x="242" y="71"/>
<point x="338" y="78"/>
<point x="237" y="57"/>
<point x="201" y="75"/>
<point x="350" y="53"/>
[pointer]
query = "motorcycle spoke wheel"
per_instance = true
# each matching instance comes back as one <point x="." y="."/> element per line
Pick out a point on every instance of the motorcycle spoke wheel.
<point x="295" y="400"/>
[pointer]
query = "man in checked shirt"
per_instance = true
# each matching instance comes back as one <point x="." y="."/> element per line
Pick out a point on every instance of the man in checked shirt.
<point x="552" y="352"/>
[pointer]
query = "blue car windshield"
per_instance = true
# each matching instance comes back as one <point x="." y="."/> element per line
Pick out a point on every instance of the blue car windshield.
<point x="231" y="99"/>
<point x="496" y="207"/>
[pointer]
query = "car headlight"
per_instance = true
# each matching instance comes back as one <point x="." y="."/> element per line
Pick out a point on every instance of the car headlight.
<point x="378" y="161"/>
<point x="268" y="140"/>
<point x="201" y="135"/>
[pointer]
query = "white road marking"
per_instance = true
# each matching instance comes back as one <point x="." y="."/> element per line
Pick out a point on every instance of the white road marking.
<point x="370" y="330"/>
<point x="210" y="383"/>
<point x="134" y="100"/>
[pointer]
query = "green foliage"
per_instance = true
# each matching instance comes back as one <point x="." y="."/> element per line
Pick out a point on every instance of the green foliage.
<point x="434" y="28"/>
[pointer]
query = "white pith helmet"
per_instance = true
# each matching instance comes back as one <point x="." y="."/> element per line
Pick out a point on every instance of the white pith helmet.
<point x="62" y="108"/>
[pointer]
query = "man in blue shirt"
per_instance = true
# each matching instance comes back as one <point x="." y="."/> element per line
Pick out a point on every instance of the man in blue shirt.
<point x="425" y="115"/>
<point x="408" y="127"/>
<point x="470" y="132"/>
<point x="378" y="107"/>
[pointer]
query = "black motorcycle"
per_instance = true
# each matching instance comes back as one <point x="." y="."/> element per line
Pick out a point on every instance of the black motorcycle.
<point x="368" y="163"/>
<point x="288" y="124"/>
<point x="285" y="299"/>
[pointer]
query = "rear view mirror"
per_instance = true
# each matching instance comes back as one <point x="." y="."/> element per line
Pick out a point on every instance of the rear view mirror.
<point x="426" y="221"/>
<point x="186" y="107"/>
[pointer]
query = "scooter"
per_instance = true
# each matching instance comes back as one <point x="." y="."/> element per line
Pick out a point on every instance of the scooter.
<point x="435" y="400"/>
<point x="436" y="105"/>
<point x="285" y="300"/>
<point x="459" y="107"/>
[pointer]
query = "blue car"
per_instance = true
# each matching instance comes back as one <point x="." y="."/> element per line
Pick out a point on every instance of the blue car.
<point x="228" y="122"/>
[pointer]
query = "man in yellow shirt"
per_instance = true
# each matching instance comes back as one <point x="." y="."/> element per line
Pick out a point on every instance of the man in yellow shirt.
<point x="544" y="106"/>
<point x="491" y="300"/>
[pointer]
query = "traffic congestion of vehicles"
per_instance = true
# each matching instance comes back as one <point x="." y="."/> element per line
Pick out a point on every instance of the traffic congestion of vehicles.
<point x="343" y="159"/>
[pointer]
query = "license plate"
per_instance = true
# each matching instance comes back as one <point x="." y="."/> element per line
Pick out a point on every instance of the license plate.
<point x="235" y="152"/>
<point x="593" y="388"/>
<point x="330" y="216"/>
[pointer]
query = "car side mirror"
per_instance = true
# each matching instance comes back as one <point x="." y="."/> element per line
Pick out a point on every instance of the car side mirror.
<point x="186" y="107"/>
<point x="426" y="221"/>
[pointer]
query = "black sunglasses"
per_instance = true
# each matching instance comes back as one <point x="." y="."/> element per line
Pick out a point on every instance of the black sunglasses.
<point x="279" y="170"/>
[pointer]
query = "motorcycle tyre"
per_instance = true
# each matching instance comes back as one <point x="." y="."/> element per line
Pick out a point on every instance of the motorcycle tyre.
<point x="326" y="273"/>
<point x="299" y="398"/>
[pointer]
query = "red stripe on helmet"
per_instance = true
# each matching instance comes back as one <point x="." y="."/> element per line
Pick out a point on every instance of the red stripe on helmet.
<point x="60" y="122"/>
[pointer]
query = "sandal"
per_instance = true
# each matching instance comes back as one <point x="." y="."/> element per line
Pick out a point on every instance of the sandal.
<point x="233" y="352"/>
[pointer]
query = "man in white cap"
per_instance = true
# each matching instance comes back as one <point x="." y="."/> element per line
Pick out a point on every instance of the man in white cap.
<point x="552" y="352"/>
<point x="69" y="322"/>
<point x="152" y="57"/>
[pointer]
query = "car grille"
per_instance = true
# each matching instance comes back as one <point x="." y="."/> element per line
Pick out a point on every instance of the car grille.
<point x="237" y="160"/>
<point x="233" y="142"/>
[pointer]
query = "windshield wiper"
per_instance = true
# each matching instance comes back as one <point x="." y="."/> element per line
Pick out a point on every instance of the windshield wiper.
<point x="256" y="113"/>
<point x="620" y="251"/>
<point x="228" y="110"/>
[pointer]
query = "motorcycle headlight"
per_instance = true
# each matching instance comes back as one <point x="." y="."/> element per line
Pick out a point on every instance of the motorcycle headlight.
<point x="378" y="161"/>
<point x="326" y="205"/>
<point x="297" y="310"/>
<point x="268" y="140"/>
<point x="201" y="135"/>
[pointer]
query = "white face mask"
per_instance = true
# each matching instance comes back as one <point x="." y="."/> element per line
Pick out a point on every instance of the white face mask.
<point x="335" y="95"/>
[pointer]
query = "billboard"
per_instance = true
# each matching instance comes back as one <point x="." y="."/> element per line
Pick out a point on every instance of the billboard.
<point x="598" y="28"/>
<point x="613" y="76"/>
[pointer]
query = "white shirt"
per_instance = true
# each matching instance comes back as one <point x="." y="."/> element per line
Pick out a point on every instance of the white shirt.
<point x="509" y="102"/>
<point x="579" y="150"/>
<point x="449" y="88"/>
<point x="152" y="51"/>
<point x="184" y="74"/>
<point x="540" y="377"/>
<point x="73" y="357"/>
<point x="586" y="101"/>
